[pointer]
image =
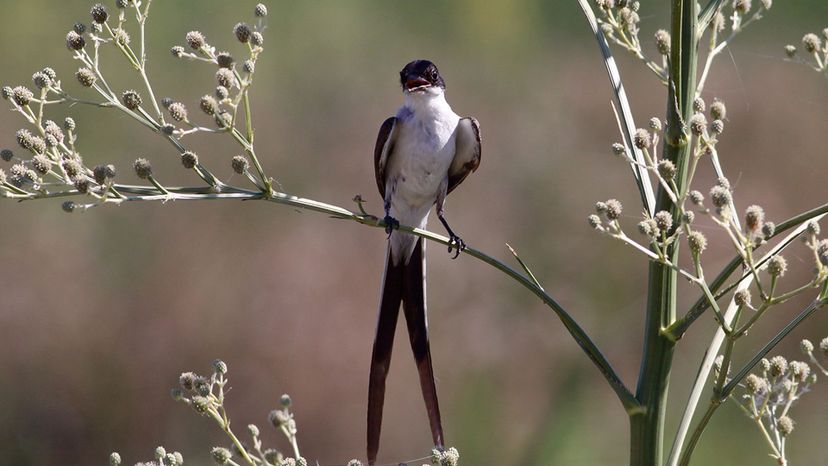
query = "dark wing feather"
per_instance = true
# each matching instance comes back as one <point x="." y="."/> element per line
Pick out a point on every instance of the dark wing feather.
<point x="467" y="153"/>
<point x="385" y="141"/>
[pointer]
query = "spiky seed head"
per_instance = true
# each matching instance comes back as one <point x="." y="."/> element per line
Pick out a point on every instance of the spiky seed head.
<point x="717" y="127"/>
<point x="187" y="380"/>
<point x="354" y="463"/>
<point x="619" y="149"/>
<point x="688" y="217"/>
<point x="114" y="459"/>
<point x="754" y="218"/>
<point x="785" y="425"/>
<point x="177" y="51"/>
<point x="189" y="159"/>
<point x="222" y="93"/>
<point x="225" y="77"/>
<point x="50" y="73"/>
<point x="99" y="13"/>
<point x="253" y="430"/>
<point x="278" y="418"/>
<point x="195" y="39"/>
<point x="249" y="66"/>
<point x="742" y="6"/>
<point x="823" y="346"/>
<point x="142" y="167"/>
<point x="698" y="105"/>
<point x="52" y="128"/>
<point x="86" y="77"/>
<point x="260" y="11"/>
<point x="103" y="172"/>
<point x="208" y="105"/>
<point x="25" y="139"/>
<point x="697" y="242"/>
<point x="790" y="51"/>
<point x="225" y="60"/>
<point x="768" y="229"/>
<point x="160" y="453"/>
<point x="22" y="96"/>
<point x="81" y="184"/>
<point x="121" y="36"/>
<point x="38" y="145"/>
<point x="242" y="32"/>
<point x="800" y="370"/>
<point x="642" y="139"/>
<point x="219" y="367"/>
<point x="240" y="164"/>
<point x="285" y="400"/>
<point x="221" y="455"/>
<point x="79" y="27"/>
<point x="6" y="155"/>
<point x="718" y="110"/>
<point x="778" y="366"/>
<point x="257" y="39"/>
<point x="811" y="42"/>
<point x="201" y="404"/>
<point x="813" y="228"/>
<point x="754" y="384"/>
<point x="614" y="209"/>
<point x="594" y="221"/>
<point x="41" y="81"/>
<point x="664" y="221"/>
<point x="6" y="93"/>
<point x="806" y="346"/>
<point x="777" y="266"/>
<point x="72" y="167"/>
<point x="648" y="228"/>
<point x="168" y="129"/>
<point x="698" y="123"/>
<point x="655" y="124"/>
<point x="122" y="3"/>
<point x="41" y="164"/>
<point x="662" y="40"/>
<point x="131" y="99"/>
<point x="742" y="298"/>
<point x="666" y="169"/>
<point x="178" y="111"/>
<point x="75" y="41"/>
<point x="720" y="196"/>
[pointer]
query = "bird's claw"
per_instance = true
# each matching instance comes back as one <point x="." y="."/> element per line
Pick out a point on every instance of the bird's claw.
<point x="391" y="224"/>
<point x="456" y="243"/>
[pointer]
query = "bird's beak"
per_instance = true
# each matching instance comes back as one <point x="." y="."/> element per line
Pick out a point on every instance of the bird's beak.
<point x="416" y="83"/>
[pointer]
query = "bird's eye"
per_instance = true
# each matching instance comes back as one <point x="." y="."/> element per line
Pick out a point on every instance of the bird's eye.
<point x="433" y="74"/>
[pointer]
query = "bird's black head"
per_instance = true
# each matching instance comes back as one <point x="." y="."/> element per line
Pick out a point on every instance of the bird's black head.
<point x="420" y="75"/>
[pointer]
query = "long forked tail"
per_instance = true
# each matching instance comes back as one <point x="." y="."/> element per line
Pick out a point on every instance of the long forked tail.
<point x="402" y="283"/>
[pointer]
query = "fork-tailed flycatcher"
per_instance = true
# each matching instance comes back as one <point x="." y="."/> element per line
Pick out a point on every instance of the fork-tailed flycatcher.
<point x="421" y="155"/>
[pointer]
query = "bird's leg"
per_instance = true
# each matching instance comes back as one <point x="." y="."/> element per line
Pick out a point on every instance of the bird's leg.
<point x="390" y="222"/>
<point x="455" y="242"/>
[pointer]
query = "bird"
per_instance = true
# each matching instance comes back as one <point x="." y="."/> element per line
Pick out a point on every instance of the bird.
<point x="421" y="155"/>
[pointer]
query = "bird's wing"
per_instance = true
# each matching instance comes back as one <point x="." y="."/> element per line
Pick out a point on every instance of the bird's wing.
<point x="382" y="150"/>
<point x="467" y="152"/>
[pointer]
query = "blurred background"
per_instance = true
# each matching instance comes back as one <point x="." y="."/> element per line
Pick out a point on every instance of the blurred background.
<point x="101" y="311"/>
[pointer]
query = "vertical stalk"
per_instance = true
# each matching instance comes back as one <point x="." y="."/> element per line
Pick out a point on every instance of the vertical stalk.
<point x="647" y="429"/>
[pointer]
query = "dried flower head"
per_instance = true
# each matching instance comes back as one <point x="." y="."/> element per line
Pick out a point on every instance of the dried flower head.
<point x="121" y="36"/>
<point x="99" y="13"/>
<point x="790" y="51"/>
<point x="696" y="197"/>
<point x="41" y="80"/>
<point x="208" y="105"/>
<point x="86" y="77"/>
<point x="242" y="32"/>
<point x="6" y="93"/>
<point x="225" y="77"/>
<point x="688" y="217"/>
<point x="240" y="164"/>
<point x="742" y="6"/>
<point x="221" y="455"/>
<point x="717" y="127"/>
<point x="6" y="155"/>
<point x="812" y="43"/>
<point x="666" y="169"/>
<point x="75" y="41"/>
<point x="754" y="218"/>
<point x="25" y="139"/>
<point x="768" y="230"/>
<point x="594" y="221"/>
<point x="662" y="40"/>
<point x="813" y="228"/>
<point x="224" y="60"/>
<point x="614" y="209"/>
<point x="195" y="39"/>
<point x="742" y="298"/>
<point x="189" y="159"/>
<point x="778" y="366"/>
<point x="698" y="124"/>
<point x="178" y="51"/>
<point x="41" y="164"/>
<point x="648" y="228"/>
<point x="260" y="11"/>
<point x="642" y="139"/>
<point x="249" y="66"/>
<point x="222" y="92"/>
<point x="81" y="183"/>
<point x="103" y="173"/>
<point x="619" y="149"/>
<point x="664" y="221"/>
<point x="69" y="124"/>
<point x="72" y="167"/>
<point x="806" y="346"/>
<point x="718" y="110"/>
<point x="22" y="96"/>
<point x="698" y="105"/>
<point x="655" y="124"/>
<point x="785" y="425"/>
<point x="131" y="99"/>
<point x="777" y="266"/>
<point x="178" y="111"/>
<point x="697" y="242"/>
<point x="755" y="384"/>
<point x="143" y="168"/>
<point x="257" y="39"/>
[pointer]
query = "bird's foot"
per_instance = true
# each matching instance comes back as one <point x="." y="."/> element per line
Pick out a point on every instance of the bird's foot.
<point x="457" y="244"/>
<point x="391" y="224"/>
